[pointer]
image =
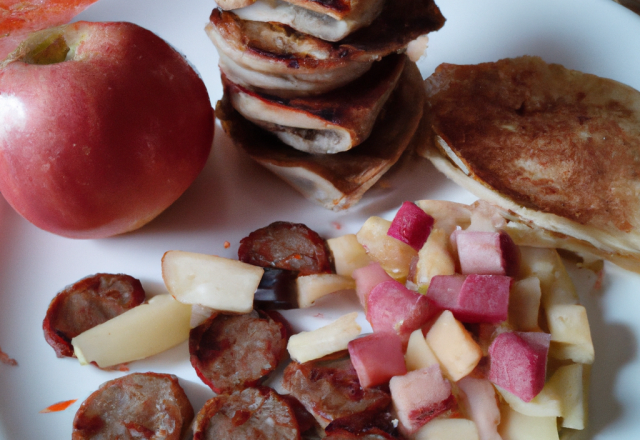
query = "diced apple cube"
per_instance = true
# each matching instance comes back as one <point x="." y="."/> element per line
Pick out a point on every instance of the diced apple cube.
<point x="367" y="278"/>
<point x="393" y="255"/>
<point x="219" y="283"/>
<point x="472" y="298"/>
<point x="447" y="215"/>
<point x="306" y="346"/>
<point x="434" y="259"/>
<point x="418" y="354"/>
<point x="485" y="217"/>
<point x="312" y="287"/>
<point x="136" y="334"/>
<point x="348" y="254"/>
<point x="453" y="346"/>
<point x="377" y="358"/>
<point x="411" y="225"/>
<point x="392" y="307"/>
<point x="479" y="252"/>
<point x="545" y="404"/>
<point x="519" y="362"/>
<point x="517" y="426"/>
<point x="484" y="298"/>
<point x="487" y="253"/>
<point x="567" y="383"/>
<point x="448" y="429"/>
<point x="524" y="304"/>
<point x="569" y="326"/>
<point x="555" y="283"/>
<point x="419" y="396"/>
<point x="444" y="290"/>
<point x="479" y="400"/>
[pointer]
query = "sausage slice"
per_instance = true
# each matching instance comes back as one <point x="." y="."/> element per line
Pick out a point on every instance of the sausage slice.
<point x="330" y="390"/>
<point x="284" y="245"/>
<point x="231" y="352"/>
<point x="87" y="303"/>
<point x="139" y="405"/>
<point x="250" y="414"/>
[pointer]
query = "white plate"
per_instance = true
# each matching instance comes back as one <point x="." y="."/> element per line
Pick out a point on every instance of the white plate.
<point x="233" y="196"/>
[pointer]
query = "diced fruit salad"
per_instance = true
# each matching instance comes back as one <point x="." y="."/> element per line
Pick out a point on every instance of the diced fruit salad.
<point x="474" y="337"/>
<point x="467" y="325"/>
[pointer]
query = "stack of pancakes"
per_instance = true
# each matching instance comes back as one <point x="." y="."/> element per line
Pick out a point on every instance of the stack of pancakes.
<point x="322" y="92"/>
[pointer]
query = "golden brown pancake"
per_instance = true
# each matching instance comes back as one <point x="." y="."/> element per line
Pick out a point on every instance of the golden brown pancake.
<point x="330" y="123"/>
<point x="558" y="150"/>
<point x="336" y="181"/>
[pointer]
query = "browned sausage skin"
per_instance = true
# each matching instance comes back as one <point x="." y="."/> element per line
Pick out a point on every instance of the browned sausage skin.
<point x="139" y="405"/>
<point x="330" y="390"/>
<point x="251" y="414"/>
<point x="284" y="245"/>
<point x="87" y="303"/>
<point x="231" y="352"/>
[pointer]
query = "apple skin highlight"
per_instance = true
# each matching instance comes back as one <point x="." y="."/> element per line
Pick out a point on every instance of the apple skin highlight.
<point x="100" y="139"/>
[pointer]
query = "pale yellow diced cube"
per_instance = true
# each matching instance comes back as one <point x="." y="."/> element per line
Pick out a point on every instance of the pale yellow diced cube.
<point x="315" y="286"/>
<point x="567" y="383"/>
<point x="434" y="259"/>
<point x="453" y="346"/>
<point x="516" y="426"/>
<point x="348" y="254"/>
<point x="447" y="429"/>
<point x="545" y="404"/>
<point x="418" y="354"/>
<point x="393" y="255"/>
<point x="570" y="333"/>
<point x="333" y="337"/>
<point x="524" y="304"/>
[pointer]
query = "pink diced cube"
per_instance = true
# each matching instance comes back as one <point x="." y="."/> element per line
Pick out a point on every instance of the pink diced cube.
<point x="472" y="298"/>
<point x="480" y="252"/>
<point x="484" y="298"/>
<point x="419" y="396"/>
<point x="411" y="225"/>
<point x="444" y="290"/>
<point x="487" y="253"/>
<point x="392" y="307"/>
<point x="479" y="400"/>
<point x="519" y="362"/>
<point x="367" y="278"/>
<point x="377" y="358"/>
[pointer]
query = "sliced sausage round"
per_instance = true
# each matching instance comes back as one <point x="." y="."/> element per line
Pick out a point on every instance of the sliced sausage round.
<point x="285" y="245"/>
<point x="251" y="414"/>
<point x="87" y="303"/>
<point x="230" y="352"/>
<point x="139" y="405"/>
<point x="330" y="390"/>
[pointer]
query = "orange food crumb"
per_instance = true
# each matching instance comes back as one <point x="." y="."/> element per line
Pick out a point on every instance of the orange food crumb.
<point x="336" y="225"/>
<point x="227" y="245"/>
<point x="60" y="406"/>
<point x="5" y="359"/>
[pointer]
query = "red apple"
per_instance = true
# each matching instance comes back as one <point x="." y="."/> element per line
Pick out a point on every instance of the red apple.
<point x="102" y="127"/>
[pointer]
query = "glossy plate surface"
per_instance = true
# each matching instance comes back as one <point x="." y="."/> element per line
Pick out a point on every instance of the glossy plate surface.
<point x="233" y="196"/>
